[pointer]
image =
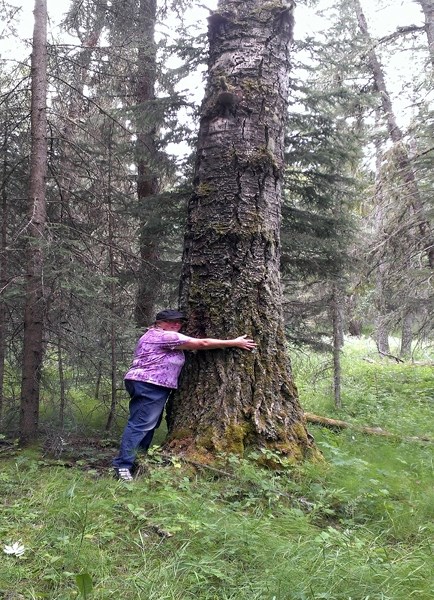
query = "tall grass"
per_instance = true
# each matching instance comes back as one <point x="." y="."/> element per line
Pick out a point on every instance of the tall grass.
<point x="376" y="392"/>
<point x="358" y="526"/>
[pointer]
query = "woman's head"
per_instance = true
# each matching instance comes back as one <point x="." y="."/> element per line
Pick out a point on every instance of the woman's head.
<point x="170" y="319"/>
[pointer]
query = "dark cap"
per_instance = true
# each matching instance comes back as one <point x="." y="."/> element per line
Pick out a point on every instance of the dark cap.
<point x="170" y="315"/>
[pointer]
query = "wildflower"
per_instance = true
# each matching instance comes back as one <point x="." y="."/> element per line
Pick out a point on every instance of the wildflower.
<point x="15" y="549"/>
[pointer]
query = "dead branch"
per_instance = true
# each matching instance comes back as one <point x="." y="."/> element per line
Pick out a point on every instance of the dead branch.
<point x="401" y="31"/>
<point x="396" y="358"/>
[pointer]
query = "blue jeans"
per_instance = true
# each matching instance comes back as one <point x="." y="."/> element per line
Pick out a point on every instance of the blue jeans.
<point x="146" y="411"/>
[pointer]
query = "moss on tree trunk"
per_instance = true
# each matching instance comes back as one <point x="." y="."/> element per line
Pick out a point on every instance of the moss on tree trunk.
<point x="231" y="399"/>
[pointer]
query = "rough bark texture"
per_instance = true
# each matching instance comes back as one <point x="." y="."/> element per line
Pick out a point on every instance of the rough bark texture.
<point x="35" y="301"/>
<point x="230" y="399"/>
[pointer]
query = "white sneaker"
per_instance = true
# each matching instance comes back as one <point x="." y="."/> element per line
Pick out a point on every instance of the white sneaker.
<point x="124" y="474"/>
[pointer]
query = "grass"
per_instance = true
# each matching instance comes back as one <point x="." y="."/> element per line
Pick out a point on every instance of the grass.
<point x="395" y="396"/>
<point x="358" y="526"/>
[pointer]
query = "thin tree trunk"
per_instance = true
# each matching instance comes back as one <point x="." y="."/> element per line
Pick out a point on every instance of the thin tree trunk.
<point x="150" y="279"/>
<point x="113" y="359"/>
<point x="381" y="320"/>
<point x="113" y="303"/>
<point x="396" y="135"/>
<point x="113" y="379"/>
<point x="62" y="403"/>
<point x="406" y="333"/>
<point x="338" y="342"/>
<point x="428" y="11"/>
<point x="381" y="325"/>
<point x="4" y="266"/>
<point x="382" y="335"/>
<point x="230" y="400"/>
<point x="34" y="301"/>
<point x="98" y="380"/>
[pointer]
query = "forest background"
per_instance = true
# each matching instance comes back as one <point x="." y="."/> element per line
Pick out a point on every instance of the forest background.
<point x="356" y="266"/>
<point x="357" y="249"/>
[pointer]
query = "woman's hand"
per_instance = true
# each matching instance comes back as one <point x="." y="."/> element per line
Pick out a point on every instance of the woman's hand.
<point x="244" y="343"/>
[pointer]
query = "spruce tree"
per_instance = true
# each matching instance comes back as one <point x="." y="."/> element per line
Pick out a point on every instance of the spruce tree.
<point x="231" y="265"/>
<point x="34" y="312"/>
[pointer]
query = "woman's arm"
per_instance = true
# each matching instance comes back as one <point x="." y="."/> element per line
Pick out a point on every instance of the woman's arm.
<point x="242" y="342"/>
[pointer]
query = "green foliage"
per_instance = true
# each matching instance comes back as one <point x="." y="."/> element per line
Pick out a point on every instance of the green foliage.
<point x="84" y="584"/>
<point x="358" y="525"/>
<point x="318" y="225"/>
<point x="375" y="392"/>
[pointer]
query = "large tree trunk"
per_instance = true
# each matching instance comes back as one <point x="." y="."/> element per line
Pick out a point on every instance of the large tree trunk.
<point x="35" y="302"/>
<point x="407" y="174"/>
<point x="230" y="280"/>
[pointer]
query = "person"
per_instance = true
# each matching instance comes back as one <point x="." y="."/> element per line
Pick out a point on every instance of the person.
<point x="157" y="363"/>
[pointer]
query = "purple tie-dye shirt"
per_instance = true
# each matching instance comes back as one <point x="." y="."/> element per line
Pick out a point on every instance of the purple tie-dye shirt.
<point x="156" y="358"/>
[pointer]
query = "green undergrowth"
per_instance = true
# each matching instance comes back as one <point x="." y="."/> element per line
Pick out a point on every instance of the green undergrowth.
<point x="358" y="526"/>
<point x="376" y="392"/>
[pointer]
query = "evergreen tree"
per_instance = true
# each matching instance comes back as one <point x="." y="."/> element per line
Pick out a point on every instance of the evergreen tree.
<point x="230" y="279"/>
<point x="34" y="313"/>
<point x="428" y="12"/>
<point x="397" y="219"/>
<point x="323" y="157"/>
<point x="14" y="182"/>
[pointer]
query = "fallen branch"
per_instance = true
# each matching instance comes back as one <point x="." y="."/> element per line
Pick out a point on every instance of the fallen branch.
<point x="338" y="424"/>
<point x="396" y="358"/>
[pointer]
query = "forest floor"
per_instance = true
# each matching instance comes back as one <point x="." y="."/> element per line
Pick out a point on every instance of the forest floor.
<point x="358" y="526"/>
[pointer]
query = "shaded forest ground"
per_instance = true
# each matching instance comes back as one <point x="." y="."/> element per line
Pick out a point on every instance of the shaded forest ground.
<point x="359" y="525"/>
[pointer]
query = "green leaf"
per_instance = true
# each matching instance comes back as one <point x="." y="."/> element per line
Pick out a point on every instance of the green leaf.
<point x="84" y="584"/>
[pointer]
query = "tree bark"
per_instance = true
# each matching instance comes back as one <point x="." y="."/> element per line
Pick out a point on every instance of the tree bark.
<point x="406" y="332"/>
<point x="338" y="342"/>
<point x="381" y="324"/>
<point x="35" y="301"/>
<point x="62" y="385"/>
<point x="4" y="263"/>
<point x="381" y="321"/>
<point x="112" y="293"/>
<point x="428" y="11"/>
<point x="230" y="283"/>
<point x="403" y="160"/>
<point x="148" y="186"/>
